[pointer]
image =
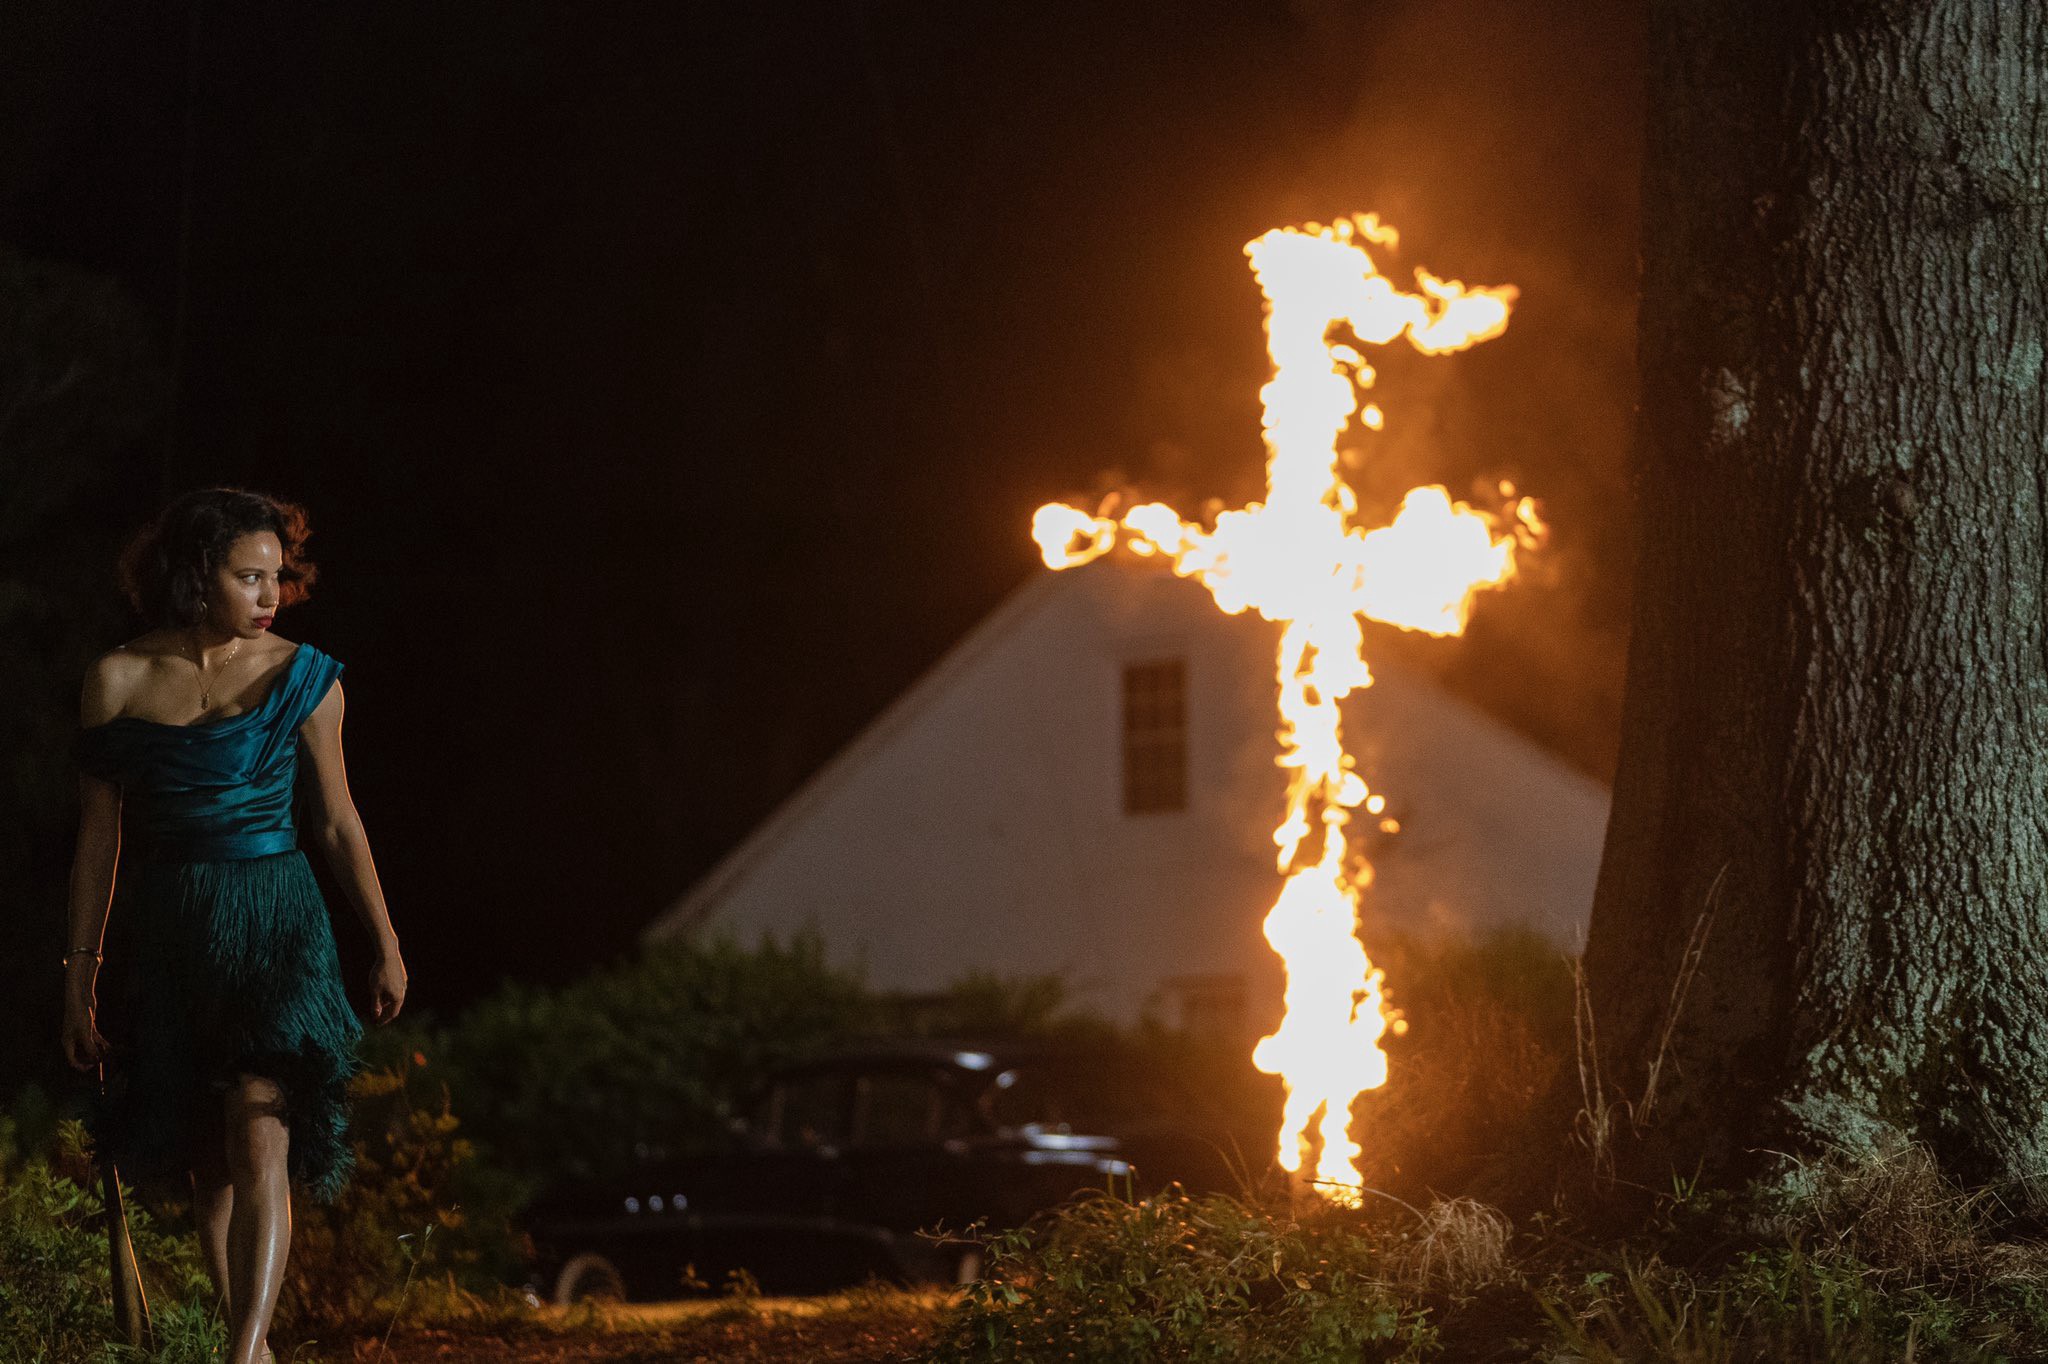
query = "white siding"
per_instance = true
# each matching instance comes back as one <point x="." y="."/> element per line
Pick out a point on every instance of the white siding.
<point x="978" y="824"/>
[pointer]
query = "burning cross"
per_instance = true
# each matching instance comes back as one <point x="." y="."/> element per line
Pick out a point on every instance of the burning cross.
<point x="1297" y="559"/>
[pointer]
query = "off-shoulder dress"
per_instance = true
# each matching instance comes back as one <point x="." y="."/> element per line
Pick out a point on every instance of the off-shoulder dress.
<point x="234" y="969"/>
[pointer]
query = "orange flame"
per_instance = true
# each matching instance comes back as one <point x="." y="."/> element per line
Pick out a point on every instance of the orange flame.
<point x="1298" y="559"/>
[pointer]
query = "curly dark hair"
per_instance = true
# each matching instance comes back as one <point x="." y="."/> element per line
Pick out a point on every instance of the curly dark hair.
<point x="168" y="565"/>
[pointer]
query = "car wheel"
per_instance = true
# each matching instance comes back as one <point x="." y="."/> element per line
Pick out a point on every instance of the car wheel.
<point x="589" y="1277"/>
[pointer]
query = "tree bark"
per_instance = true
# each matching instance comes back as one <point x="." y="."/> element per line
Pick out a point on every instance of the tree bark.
<point x="1835" y="743"/>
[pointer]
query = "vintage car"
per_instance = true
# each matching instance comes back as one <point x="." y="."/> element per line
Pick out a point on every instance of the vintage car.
<point x="879" y="1162"/>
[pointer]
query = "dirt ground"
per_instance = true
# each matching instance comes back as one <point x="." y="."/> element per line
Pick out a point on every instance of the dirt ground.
<point x="859" y="1328"/>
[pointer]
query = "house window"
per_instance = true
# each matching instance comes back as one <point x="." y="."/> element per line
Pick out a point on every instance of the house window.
<point x="1156" y="737"/>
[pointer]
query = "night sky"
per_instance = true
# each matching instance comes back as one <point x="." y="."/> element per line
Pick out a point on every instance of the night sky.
<point x="671" y="384"/>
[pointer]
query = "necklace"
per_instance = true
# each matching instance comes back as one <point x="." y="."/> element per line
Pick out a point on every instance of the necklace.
<point x="206" y="687"/>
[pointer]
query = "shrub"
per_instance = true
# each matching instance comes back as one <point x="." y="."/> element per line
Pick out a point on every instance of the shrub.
<point x="422" y="1212"/>
<point x="652" y="1054"/>
<point x="1875" y="1257"/>
<point x="1183" y="1278"/>
<point x="1896" y="1211"/>
<point x="983" y="1004"/>
<point x="1460" y="1245"/>
<point x="55" y="1298"/>
<point x="422" y="1217"/>
<point x="1780" y="1303"/>
<point x="657" y="1054"/>
<point x="1489" y="1024"/>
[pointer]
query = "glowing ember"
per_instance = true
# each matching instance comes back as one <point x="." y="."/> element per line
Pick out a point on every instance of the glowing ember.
<point x="1296" y="558"/>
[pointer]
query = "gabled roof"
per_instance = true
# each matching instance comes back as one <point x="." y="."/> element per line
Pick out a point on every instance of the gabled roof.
<point x="1560" y="845"/>
<point x="688" y="912"/>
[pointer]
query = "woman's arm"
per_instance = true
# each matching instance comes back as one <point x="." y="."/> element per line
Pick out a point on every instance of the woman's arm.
<point x="338" y="829"/>
<point x="92" y="882"/>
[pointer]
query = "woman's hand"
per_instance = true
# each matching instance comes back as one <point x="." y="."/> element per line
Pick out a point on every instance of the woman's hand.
<point x="84" y="1048"/>
<point x="387" y="986"/>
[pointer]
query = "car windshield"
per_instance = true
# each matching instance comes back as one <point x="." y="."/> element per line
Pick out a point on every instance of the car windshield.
<point x="1080" y="1096"/>
<point x="802" y="1111"/>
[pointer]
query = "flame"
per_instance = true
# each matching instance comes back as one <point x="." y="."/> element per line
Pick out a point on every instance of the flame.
<point x="1297" y="558"/>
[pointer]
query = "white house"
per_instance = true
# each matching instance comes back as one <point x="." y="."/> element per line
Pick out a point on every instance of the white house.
<point x="1085" y="785"/>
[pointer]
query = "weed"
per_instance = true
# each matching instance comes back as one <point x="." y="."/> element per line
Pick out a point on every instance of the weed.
<point x="1776" y="1305"/>
<point x="423" y="1217"/>
<point x="1461" y="1245"/>
<point x="1488" y="1036"/>
<point x="1880" y="1259"/>
<point x="1896" y="1209"/>
<point x="1172" y="1276"/>
<point x="1600" y="1119"/>
<point x="55" y="1299"/>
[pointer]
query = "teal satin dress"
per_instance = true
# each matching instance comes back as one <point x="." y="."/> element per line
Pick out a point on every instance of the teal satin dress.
<point x="235" y="968"/>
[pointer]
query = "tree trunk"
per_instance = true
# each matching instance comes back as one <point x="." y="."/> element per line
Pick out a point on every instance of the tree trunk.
<point x="1835" y="745"/>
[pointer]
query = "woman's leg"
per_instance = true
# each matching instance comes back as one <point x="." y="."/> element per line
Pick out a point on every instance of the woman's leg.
<point x="260" y="1226"/>
<point x="213" y="1203"/>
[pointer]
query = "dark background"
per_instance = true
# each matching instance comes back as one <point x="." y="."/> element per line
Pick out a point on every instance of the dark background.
<point x="671" y="384"/>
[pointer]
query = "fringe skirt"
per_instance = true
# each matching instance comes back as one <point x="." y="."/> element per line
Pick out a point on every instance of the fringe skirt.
<point x="235" y="972"/>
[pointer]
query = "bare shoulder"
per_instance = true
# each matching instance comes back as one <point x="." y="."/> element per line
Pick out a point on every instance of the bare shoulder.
<point x="276" y="652"/>
<point x="113" y="678"/>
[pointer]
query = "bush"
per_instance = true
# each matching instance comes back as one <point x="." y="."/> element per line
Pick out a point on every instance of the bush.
<point x="1489" y="1025"/>
<point x="55" y="1297"/>
<point x="423" y="1215"/>
<point x="653" y="1054"/>
<point x="1895" y="1210"/>
<point x="423" y="1222"/>
<point x="1780" y="1303"/>
<point x="455" y="1126"/>
<point x="1183" y="1278"/>
<point x="1874" y="1258"/>
<point x="982" y="1004"/>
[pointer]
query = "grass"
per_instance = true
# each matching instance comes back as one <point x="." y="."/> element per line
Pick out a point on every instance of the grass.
<point x="1875" y="1258"/>
<point x="855" y="1327"/>
<point x="1174" y="1276"/>
<point x="1883" y="1262"/>
<point x="1458" y="1256"/>
<point x="1461" y="1245"/>
<point x="1785" y="1304"/>
<point x="1489" y="1032"/>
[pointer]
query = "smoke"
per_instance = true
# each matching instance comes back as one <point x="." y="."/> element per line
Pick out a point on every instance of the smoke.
<point x="1504" y="141"/>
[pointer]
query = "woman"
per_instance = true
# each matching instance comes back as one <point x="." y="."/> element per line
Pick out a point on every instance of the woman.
<point x="244" y="1040"/>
